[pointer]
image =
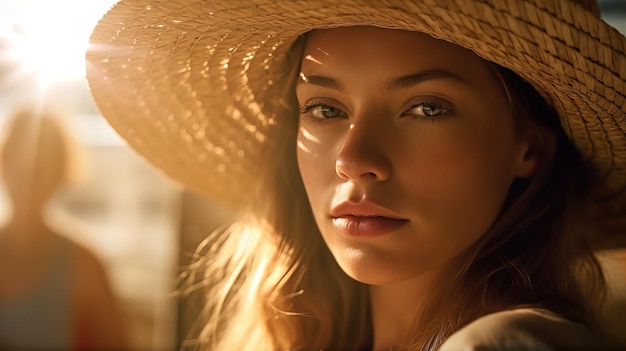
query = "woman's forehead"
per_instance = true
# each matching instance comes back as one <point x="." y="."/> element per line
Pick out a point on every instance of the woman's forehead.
<point x="381" y="60"/>
<point x="395" y="51"/>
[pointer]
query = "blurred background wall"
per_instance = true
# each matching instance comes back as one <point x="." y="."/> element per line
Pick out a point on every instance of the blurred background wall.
<point x="142" y="226"/>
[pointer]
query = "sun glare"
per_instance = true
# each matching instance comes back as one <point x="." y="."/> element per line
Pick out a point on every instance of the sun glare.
<point x="44" y="41"/>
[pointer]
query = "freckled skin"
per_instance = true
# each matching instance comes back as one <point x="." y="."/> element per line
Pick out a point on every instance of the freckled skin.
<point x="447" y="174"/>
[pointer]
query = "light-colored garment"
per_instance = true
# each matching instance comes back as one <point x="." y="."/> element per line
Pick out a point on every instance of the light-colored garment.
<point x="41" y="319"/>
<point x="523" y="329"/>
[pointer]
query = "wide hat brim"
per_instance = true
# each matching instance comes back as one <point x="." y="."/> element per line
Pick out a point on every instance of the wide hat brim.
<point x="192" y="85"/>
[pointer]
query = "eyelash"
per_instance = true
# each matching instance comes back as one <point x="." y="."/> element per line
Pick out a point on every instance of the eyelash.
<point x="430" y="101"/>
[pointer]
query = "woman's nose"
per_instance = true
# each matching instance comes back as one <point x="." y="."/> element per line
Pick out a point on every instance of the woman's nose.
<point x="363" y="156"/>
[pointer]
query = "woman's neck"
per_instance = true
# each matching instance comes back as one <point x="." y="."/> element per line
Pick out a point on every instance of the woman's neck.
<point x="396" y="310"/>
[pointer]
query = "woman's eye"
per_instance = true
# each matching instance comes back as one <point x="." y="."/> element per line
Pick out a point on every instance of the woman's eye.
<point x="322" y="111"/>
<point x="428" y="110"/>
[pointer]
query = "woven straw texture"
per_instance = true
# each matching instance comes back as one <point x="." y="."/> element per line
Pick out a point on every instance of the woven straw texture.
<point x="191" y="84"/>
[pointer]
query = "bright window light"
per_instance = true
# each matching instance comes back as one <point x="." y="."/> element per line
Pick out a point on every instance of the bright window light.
<point x="44" y="41"/>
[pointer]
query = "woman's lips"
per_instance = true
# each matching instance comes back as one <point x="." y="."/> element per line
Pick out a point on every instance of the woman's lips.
<point x="367" y="226"/>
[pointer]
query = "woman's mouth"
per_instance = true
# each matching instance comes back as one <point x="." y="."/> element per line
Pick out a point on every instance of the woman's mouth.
<point x="367" y="226"/>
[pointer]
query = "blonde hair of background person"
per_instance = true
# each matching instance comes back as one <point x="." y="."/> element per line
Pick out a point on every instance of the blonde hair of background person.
<point x="394" y="190"/>
<point x="54" y="292"/>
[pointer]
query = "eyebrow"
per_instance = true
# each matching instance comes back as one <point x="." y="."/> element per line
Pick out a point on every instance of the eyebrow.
<point x="323" y="81"/>
<point x="416" y="78"/>
<point x="392" y="84"/>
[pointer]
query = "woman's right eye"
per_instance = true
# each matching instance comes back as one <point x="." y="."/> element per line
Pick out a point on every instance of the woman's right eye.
<point x="321" y="111"/>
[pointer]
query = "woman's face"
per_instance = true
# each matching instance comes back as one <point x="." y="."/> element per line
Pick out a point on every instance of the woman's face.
<point x="406" y="147"/>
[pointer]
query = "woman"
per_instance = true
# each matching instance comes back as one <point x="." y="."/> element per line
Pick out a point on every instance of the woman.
<point x="409" y="175"/>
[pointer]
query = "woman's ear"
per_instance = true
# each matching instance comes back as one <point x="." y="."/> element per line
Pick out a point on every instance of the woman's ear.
<point x="537" y="149"/>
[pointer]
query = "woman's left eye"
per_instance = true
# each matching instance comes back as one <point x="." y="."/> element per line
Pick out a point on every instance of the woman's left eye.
<point x="429" y="109"/>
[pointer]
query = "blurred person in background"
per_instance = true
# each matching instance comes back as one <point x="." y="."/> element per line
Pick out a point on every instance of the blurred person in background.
<point x="54" y="292"/>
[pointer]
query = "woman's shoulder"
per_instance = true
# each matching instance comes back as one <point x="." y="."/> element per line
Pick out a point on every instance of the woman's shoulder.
<point x="522" y="329"/>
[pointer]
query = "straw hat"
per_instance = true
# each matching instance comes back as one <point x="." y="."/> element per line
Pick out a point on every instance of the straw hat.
<point x="192" y="84"/>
